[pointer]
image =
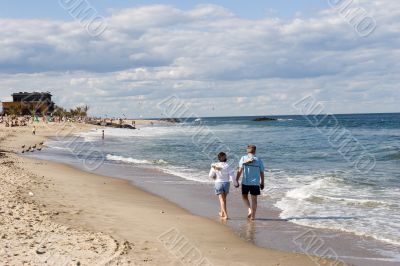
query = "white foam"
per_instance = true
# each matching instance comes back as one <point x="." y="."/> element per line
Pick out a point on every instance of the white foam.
<point x="191" y="175"/>
<point x="187" y="174"/>
<point x="58" y="145"/>
<point x="363" y="213"/>
<point x="111" y="157"/>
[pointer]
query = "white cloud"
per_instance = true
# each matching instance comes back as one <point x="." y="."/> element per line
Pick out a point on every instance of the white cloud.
<point x="204" y="54"/>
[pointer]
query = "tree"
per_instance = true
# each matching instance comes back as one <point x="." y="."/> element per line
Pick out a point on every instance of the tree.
<point x="85" y="110"/>
<point x="80" y="111"/>
<point x="59" y="111"/>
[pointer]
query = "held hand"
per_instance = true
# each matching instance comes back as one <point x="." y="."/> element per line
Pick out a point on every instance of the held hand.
<point x="236" y="184"/>
<point x="262" y="186"/>
<point x="216" y="168"/>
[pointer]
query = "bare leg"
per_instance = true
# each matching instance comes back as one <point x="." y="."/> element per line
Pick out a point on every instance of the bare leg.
<point x="253" y="207"/>
<point x="247" y="203"/>
<point x="222" y="205"/>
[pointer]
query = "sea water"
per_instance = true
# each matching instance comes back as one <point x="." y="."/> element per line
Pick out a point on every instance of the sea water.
<point x="306" y="174"/>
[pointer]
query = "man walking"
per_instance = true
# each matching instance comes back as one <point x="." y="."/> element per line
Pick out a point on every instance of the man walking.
<point x="252" y="169"/>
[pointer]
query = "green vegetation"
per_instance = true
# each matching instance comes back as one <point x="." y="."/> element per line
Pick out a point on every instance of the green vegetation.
<point x="81" y="111"/>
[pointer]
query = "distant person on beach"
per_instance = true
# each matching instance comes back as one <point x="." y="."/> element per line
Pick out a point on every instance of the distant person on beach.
<point x="34" y="130"/>
<point x="252" y="169"/>
<point x="102" y="134"/>
<point x="222" y="174"/>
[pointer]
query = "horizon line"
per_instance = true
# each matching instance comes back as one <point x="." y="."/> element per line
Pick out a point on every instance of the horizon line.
<point x="376" y="113"/>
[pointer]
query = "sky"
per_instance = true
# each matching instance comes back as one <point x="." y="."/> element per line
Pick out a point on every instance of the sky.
<point x="221" y="58"/>
<point x="50" y="9"/>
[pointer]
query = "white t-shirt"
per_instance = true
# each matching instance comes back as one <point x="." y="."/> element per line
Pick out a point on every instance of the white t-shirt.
<point x="225" y="174"/>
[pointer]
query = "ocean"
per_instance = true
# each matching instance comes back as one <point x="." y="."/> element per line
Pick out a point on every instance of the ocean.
<point x="342" y="175"/>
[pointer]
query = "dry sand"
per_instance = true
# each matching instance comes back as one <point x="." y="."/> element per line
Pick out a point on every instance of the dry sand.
<point x="52" y="214"/>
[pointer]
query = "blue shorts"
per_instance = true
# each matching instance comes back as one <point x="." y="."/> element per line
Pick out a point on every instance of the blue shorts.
<point x="222" y="187"/>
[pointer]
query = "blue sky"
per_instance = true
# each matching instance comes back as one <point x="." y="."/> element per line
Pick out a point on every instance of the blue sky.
<point x="50" y="9"/>
<point x="221" y="58"/>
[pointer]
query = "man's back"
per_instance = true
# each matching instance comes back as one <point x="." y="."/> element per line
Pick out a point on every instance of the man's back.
<point x="252" y="167"/>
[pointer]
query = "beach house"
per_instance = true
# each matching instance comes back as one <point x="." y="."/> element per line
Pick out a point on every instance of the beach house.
<point x="29" y="103"/>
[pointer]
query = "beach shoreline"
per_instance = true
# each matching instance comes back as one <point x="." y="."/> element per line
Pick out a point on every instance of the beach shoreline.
<point x="93" y="214"/>
<point x="268" y="231"/>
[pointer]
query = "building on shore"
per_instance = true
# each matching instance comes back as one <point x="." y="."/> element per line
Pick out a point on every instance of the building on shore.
<point x="29" y="103"/>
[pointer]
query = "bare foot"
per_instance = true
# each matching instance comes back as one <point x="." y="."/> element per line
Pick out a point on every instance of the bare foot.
<point x="250" y="214"/>
<point x="223" y="215"/>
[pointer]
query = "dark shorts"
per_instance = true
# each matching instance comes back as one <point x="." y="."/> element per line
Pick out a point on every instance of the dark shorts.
<point x="254" y="190"/>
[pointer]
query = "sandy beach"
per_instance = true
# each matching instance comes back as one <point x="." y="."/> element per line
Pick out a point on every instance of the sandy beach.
<point x="199" y="133"/>
<point x="55" y="214"/>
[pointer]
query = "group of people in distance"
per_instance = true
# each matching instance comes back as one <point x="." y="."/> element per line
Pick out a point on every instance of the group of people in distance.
<point x="252" y="170"/>
<point x="14" y="121"/>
